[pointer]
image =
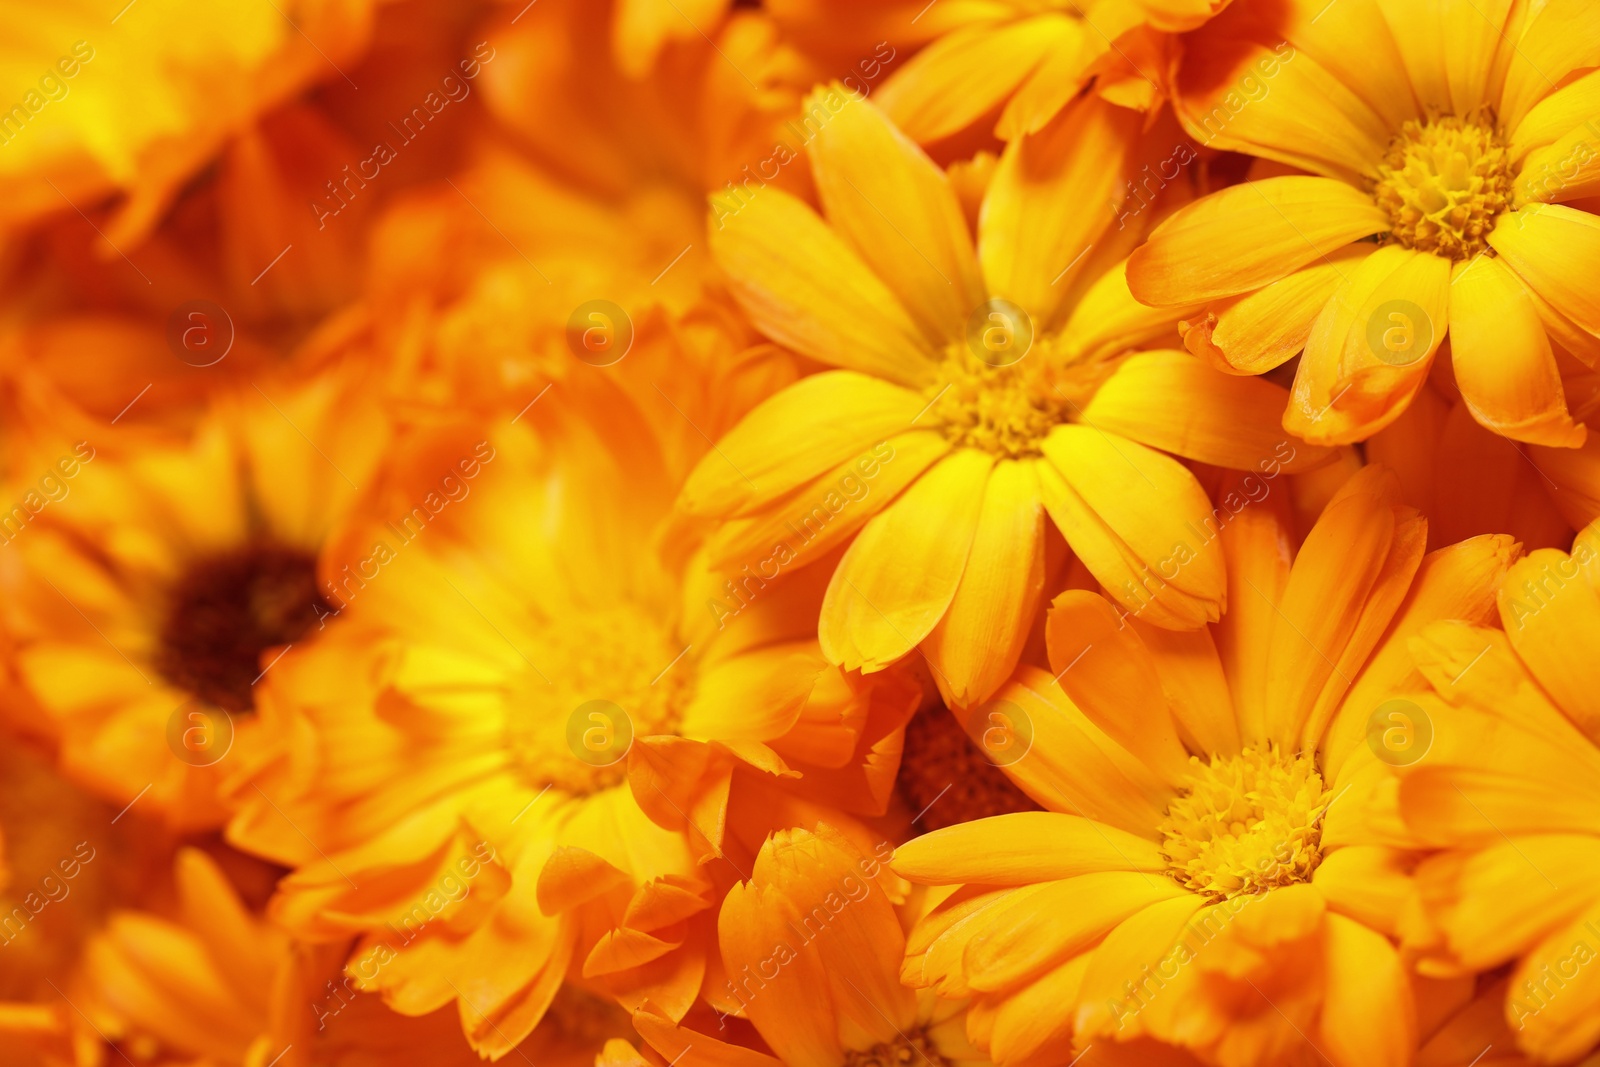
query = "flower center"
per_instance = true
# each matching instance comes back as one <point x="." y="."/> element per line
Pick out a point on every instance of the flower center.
<point x="1244" y="824"/>
<point x="1443" y="184"/>
<point x="1008" y="410"/>
<point x="945" y="777"/>
<point x="915" y="1049"/>
<point x="601" y="679"/>
<point x="226" y="610"/>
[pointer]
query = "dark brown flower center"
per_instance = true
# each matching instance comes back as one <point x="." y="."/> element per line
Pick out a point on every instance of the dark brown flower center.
<point x="226" y="610"/>
<point x="944" y="776"/>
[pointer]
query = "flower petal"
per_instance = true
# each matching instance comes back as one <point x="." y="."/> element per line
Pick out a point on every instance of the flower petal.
<point x="977" y="643"/>
<point x="1247" y="236"/>
<point x="897" y="579"/>
<point x="1174" y="402"/>
<point x="1372" y="346"/>
<point x="897" y="210"/>
<point x="790" y="438"/>
<point x="1034" y="229"/>
<point x="805" y="288"/>
<point x="1504" y="365"/>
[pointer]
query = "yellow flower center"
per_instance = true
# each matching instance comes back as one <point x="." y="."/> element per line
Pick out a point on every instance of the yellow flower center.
<point x="915" y="1049"/>
<point x="1244" y="824"/>
<point x="1443" y="184"/>
<point x="1008" y="410"/>
<point x="597" y="682"/>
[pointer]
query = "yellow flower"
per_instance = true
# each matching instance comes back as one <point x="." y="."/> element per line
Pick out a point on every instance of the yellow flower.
<point x="979" y="388"/>
<point x="159" y="582"/>
<point x="1450" y="164"/>
<point x="1220" y="866"/>
<point x="1506" y="790"/>
<point x="535" y="698"/>
<point x="1019" y="60"/>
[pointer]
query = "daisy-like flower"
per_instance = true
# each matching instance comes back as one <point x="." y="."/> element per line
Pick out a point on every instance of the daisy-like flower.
<point x="811" y="943"/>
<point x="1504" y="790"/>
<point x="1448" y="190"/>
<point x="1219" y="866"/>
<point x="537" y="690"/>
<point x="1013" y="63"/>
<point x="1004" y="383"/>
<point x="156" y="583"/>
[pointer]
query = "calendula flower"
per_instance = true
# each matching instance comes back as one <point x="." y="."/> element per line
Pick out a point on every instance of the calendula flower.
<point x="1447" y="191"/>
<point x="546" y="664"/>
<point x="1013" y="64"/>
<point x="1514" y="722"/>
<point x="1219" y="865"/>
<point x="156" y="585"/>
<point x="810" y="942"/>
<point x="978" y="388"/>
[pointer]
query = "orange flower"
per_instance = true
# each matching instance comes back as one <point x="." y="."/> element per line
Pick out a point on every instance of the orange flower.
<point x="535" y="698"/>
<point x="1220" y="864"/>
<point x="157" y="584"/>
<point x="975" y="388"/>
<point x="1449" y="192"/>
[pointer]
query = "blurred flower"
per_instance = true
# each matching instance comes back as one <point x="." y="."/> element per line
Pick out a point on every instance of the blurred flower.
<point x="157" y="587"/>
<point x="1450" y="191"/>
<point x="1220" y="866"/>
<point x="1515" y="723"/>
<point x="1013" y="64"/>
<point x="980" y="388"/>
<point x="134" y="102"/>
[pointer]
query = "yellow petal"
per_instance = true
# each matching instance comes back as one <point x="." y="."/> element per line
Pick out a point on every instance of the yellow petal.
<point x="897" y="579"/>
<point x="1248" y="236"/>
<point x="1174" y="402"/>
<point x="1368" y="1016"/>
<point x="1245" y="96"/>
<point x="1372" y="346"/>
<point x="813" y="425"/>
<point x="1551" y="612"/>
<point x="1552" y="248"/>
<point x="1161" y="522"/>
<point x="962" y="76"/>
<point x="1023" y="848"/>
<point x="1257" y="549"/>
<point x="1104" y="667"/>
<point x="1502" y="358"/>
<point x="805" y="288"/>
<point x="1125" y="576"/>
<point x="1254" y="333"/>
<point x="815" y="517"/>
<point x="1550" y="42"/>
<point x="977" y="643"/>
<point x="1045" y="924"/>
<point x="884" y="196"/>
<point x="1033" y="229"/>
